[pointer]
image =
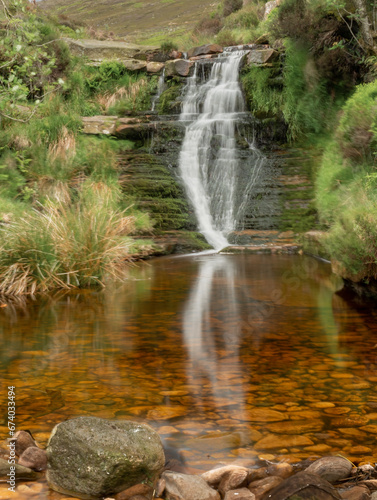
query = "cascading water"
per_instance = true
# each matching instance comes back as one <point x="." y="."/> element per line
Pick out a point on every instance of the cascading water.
<point x="208" y="162"/>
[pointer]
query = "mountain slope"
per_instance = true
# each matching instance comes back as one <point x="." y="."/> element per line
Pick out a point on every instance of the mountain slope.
<point x="143" y="20"/>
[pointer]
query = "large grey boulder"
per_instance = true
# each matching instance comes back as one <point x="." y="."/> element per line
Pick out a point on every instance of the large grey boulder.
<point x="90" y="457"/>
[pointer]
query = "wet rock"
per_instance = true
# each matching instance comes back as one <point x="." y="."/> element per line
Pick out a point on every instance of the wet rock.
<point x="160" y="487"/>
<point x="262" y="56"/>
<point x="234" y="480"/>
<point x="211" y="48"/>
<point x="178" y="67"/>
<point x="138" y="490"/>
<point x="356" y="493"/>
<point x="215" y="476"/>
<point x="22" y="441"/>
<point x="331" y="468"/>
<point x="282" y="470"/>
<point x="34" y="458"/>
<point x="90" y="456"/>
<point x="186" y="487"/>
<point x="263" y="486"/>
<point x="239" y="494"/>
<point x="303" y="486"/>
<point x="21" y="472"/>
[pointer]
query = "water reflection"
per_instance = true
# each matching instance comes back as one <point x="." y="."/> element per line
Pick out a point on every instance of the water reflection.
<point x="226" y="356"/>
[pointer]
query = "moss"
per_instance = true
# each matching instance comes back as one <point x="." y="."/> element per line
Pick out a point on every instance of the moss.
<point x="167" y="103"/>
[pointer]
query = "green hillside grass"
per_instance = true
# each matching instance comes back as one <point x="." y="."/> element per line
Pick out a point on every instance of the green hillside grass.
<point x="143" y="21"/>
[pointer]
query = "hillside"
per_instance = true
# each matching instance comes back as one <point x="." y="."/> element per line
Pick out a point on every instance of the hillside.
<point x="144" y="20"/>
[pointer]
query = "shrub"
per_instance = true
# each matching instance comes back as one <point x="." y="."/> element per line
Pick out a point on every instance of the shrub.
<point x="168" y="46"/>
<point x="209" y="26"/>
<point x="231" y="6"/>
<point x="65" y="247"/>
<point x="226" y="38"/>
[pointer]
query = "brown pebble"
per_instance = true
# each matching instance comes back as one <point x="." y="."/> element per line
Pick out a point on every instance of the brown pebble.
<point x="34" y="458"/>
<point x="22" y="440"/>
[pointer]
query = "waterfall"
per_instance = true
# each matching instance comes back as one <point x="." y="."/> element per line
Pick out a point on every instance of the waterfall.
<point x="208" y="163"/>
<point x="160" y="89"/>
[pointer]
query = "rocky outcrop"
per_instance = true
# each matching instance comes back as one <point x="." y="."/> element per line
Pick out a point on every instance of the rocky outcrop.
<point x="262" y="56"/>
<point x="210" y="48"/>
<point x="270" y="6"/>
<point x="92" y="457"/>
<point x="132" y="128"/>
<point x="98" y="50"/>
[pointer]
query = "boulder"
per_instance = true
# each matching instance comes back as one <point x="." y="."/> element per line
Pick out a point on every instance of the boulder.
<point x="98" y="125"/>
<point x="90" y="457"/>
<point x="178" y="67"/>
<point x="210" y="48"/>
<point x="357" y="493"/>
<point x="134" y="64"/>
<point x="262" y="56"/>
<point x="263" y="486"/>
<point x="185" y="487"/>
<point x="155" y="67"/>
<point x="108" y="49"/>
<point x="215" y="476"/>
<point x="303" y="486"/>
<point x="34" y="458"/>
<point x="331" y="468"/>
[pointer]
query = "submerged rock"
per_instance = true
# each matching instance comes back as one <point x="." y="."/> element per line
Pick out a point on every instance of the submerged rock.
<point x="90" y="457"/>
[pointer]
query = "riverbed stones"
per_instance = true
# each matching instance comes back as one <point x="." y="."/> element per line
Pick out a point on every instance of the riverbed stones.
<point x="331" y="468"/>
<point x="185" y="487"/>
<point x="91" y="457"/>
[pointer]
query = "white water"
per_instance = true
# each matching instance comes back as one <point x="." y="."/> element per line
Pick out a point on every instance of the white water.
<point x="160" y="89"/>
<point x="208" y="161"/>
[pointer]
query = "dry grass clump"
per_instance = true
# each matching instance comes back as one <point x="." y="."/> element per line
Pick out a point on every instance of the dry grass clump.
<point x="64" y="148"/>
<point x="65" y="247"/>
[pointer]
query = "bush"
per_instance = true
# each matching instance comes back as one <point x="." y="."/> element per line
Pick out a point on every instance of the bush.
<point x="231" y="6"/>
<point x="227" y="38"/>
<point x="65" y="247"/>
<point x="209" y="26"/>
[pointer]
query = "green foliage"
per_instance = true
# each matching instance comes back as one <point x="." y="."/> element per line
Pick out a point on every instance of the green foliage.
<point x="168" y="46"/>
<point x="263" y="90"/>
<point x="306" y="100"/>
<point x="167" y="99"/>
<point x="346" y="185"/>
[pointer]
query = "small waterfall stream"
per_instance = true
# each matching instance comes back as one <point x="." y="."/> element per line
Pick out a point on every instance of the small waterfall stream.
<point x="208" y="163"/>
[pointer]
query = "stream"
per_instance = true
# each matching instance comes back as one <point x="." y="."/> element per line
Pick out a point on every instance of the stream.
<point x="228" y="357"/>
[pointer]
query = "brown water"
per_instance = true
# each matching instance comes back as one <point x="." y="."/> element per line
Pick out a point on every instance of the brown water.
<point x="228" y="357"/>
